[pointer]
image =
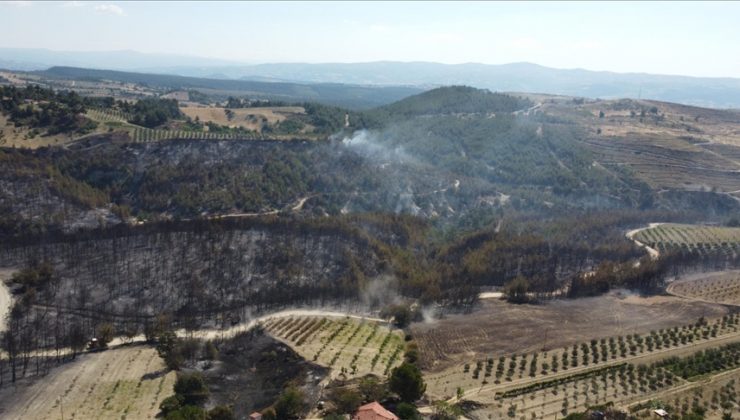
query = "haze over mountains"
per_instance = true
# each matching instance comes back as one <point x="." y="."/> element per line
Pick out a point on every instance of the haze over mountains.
<point x="514" y="77"/>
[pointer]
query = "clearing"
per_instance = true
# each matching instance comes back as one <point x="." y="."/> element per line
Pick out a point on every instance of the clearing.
<point x="249" y="118"/>
<point x="12" y="136"/>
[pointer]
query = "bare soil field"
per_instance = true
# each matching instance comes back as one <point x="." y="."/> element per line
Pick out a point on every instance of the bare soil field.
<point x="249" y="118"/>
<point x="126" y="382"/>
<point x="497" y="328"/>
<point x="721" y="288"/>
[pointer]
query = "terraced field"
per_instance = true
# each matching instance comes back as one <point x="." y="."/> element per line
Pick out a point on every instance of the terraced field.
<point x="349" y="346"/>
<point x="692" y="239"/>
<point x="668" y="163"/>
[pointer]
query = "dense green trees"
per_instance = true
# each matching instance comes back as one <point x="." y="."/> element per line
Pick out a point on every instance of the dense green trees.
<point x="291" y="404"/>
<point x="451" y="100"/>
<point x="191" y="393"/>
<point x="517" y="290"/>
<point x="345" y="400"/>
<point x="37" y="107"/>
<point x="151" y="112"/>
<point x="169" y="348"/>
<point x="406" y="381"/>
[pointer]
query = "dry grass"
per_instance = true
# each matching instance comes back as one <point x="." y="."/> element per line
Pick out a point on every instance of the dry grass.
<point x="678" y="146"/>
<point x="127" y="382"/>
<point x="10" y="136"/>
<point x="249" y="118"/>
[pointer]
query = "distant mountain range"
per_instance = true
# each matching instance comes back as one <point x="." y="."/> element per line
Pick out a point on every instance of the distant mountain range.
<point x="340" y="94"/>
<point x="40" y="59"/>
<point x="516" y="77"/>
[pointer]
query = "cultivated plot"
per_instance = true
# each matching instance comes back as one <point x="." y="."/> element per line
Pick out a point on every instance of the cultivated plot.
<point x="349" y="346"/>
<point x="693" y="239"/>
<point x="720" y="288"/>
<point x="122" y="383"/>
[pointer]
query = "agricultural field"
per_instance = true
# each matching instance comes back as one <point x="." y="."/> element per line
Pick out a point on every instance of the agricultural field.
<point x="128" y="382"/>
<point x="499" y="328"/>
<point x="350" y="347"/>
<point x="248" y="118"/>
<point x="623" y="370"/>
<point x="717" y="395"/>
<point x="721" y="288"/>
<point x="505" y="370"/>
<point x="696" y="239"/>
<point x="666" y="145"/>
<point x="108" y="115"/>
<point x="118" y="121"/>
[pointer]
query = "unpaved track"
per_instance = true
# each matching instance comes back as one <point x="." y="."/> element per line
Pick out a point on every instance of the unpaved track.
<point x="654" y="254"/>
<point x="211" y="334"/>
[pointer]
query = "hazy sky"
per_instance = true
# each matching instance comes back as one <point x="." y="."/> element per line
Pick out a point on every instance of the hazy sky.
<point x="698" y="39"/>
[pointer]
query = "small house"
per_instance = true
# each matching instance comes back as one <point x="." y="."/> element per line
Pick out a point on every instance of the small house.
<point x="255" y="416"/>
<point x="373" y="411"/>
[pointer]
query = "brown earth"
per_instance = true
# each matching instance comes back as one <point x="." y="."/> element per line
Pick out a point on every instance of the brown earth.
<point x="498" y="328"/>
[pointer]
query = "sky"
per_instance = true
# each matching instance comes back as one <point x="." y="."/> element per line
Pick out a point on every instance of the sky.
<point x="694" y="39"/>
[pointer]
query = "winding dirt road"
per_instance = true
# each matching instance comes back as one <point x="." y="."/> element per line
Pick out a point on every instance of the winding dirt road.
<point x="654" y="254"/>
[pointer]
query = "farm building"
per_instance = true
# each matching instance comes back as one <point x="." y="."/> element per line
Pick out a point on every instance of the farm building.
<point x="373" y="411"/>
<point x="661" y="413"/>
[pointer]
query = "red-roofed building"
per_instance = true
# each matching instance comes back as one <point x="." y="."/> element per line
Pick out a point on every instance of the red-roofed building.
<point x="373" y="411"/>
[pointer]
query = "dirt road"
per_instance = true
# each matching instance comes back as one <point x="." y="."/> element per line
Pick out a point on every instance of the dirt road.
<point x="654" y="254"/>
<point x="210" y="334"/>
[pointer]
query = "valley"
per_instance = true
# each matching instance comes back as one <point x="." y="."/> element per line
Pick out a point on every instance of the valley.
<point x="528" y="255"/>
